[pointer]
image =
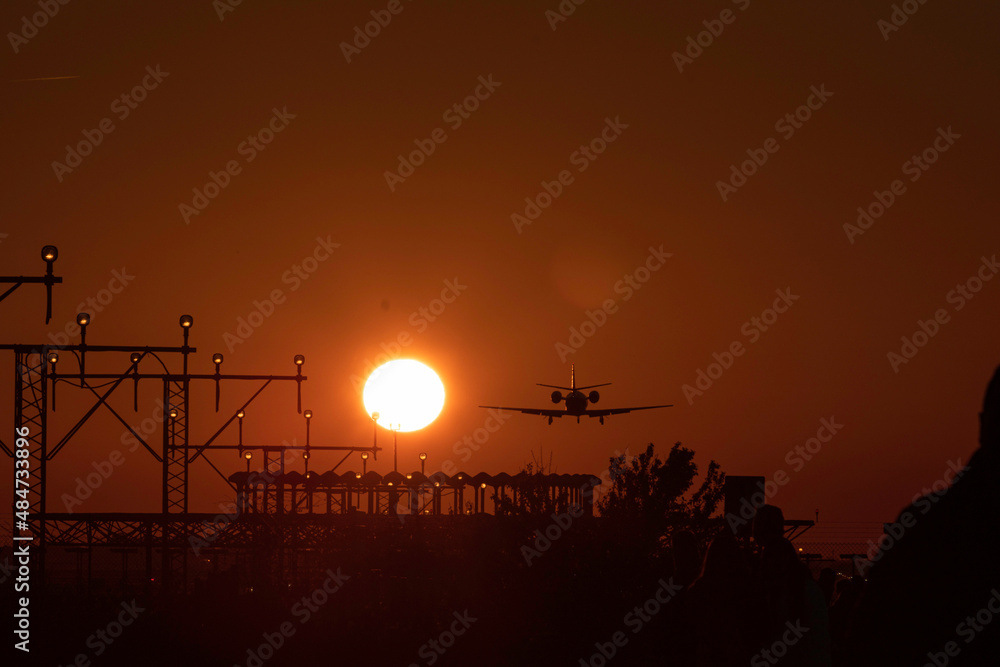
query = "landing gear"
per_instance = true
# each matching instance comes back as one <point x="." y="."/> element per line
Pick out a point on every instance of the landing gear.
<point x="602" y="420"/>
<point x="550" y="420"/>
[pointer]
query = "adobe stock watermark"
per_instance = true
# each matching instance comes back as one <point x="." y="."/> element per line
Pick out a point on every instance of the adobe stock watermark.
<point x="968" y="629"/>
<point x="581" y="158"/>
<point x="635" y="620"/>
<point x="216" y="527"/>
<point x="753" y="329"/>
<point x="295" y="276"/>
<point x="464" y="450"/>
<point x="87" y="485"/>
<point x="381" y="18"/>
<point x="796" y="458"/>
<point x="101" y="639"/>
<point x="249" y="149"/>
<point x="122" y="106"/>
<point x="303" y="610"/>
<point x="922" y="502"/>
<point x="420" y="319"/>
<point x="546" y="537"/>
<point x="213" y="529"/>
<point x="713" y="28"/>
<point x="786" y="126"/>
<point x="958" y="297"/>
<point x="103" y="469"/>
<point x="93" y="306"/>
<point x="31" y="26"/>
<point x="223" y="7"/>
<point x="432" y="650"/>
<point x="898" y="17"/>
<point x="629" y="284"/>
<point x="455" y="116"/>
<point x="914" y="168"/>
<point x="562" y="12"/>
<point x="780" y="647"/>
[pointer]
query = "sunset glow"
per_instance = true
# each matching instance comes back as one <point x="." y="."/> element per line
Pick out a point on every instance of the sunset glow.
<point x="406" y="394"/>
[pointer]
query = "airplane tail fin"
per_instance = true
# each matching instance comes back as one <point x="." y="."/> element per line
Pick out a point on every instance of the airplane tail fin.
<point x="572" y="382"/>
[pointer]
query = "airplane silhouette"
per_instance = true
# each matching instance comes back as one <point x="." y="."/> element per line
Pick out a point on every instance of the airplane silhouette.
<point x="576" y="402"/>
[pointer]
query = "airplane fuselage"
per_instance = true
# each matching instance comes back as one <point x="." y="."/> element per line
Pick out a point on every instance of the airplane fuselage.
<point x="576" y="403"/>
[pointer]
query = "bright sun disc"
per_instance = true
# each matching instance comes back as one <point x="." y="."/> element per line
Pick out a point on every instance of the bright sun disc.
<point x="406" y="394"/>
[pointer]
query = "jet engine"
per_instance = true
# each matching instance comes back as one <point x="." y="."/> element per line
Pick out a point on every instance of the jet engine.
<point x="594" y="397"/>
<point x="556" y="397"/>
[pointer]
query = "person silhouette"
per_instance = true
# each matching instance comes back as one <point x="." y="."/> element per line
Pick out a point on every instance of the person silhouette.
<point x="793" y="618"/>
<point x="933" y="594"/>
<point x="846" y="595"/>
<point x="827" y="581"/>
<point x="722" y="601"/>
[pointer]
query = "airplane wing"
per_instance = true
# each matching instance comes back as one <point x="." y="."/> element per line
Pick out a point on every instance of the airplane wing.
<point x="530" y="411"/>
<point x="618" y="411"/>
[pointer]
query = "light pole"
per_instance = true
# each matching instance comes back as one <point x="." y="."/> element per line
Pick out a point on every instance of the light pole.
<point x="173" y="416"/>
<point x="308" y="414"/>
<point x="248" y="456"/>
<point x="82" y="320"/>
<point x="53" y="359"/>
<point x="217" y="360"/>
<point x="375" y="417"/>
<point x="395" y="468"/>
<point x="364" y="462"/>
<point x="49" y="253"/>
<point x="423" y="460"/>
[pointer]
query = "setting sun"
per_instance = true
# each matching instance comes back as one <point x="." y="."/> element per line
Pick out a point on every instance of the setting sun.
<point x="406" y="394"/>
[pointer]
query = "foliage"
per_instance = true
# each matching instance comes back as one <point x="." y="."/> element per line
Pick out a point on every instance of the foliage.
<point x="655" y="493"/>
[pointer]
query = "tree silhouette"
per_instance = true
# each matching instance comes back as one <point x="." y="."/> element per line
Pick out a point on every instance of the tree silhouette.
<point x="651" y="495"/>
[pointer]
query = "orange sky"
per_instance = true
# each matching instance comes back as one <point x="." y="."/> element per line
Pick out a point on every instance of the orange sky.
<point x="672" y="136"/>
